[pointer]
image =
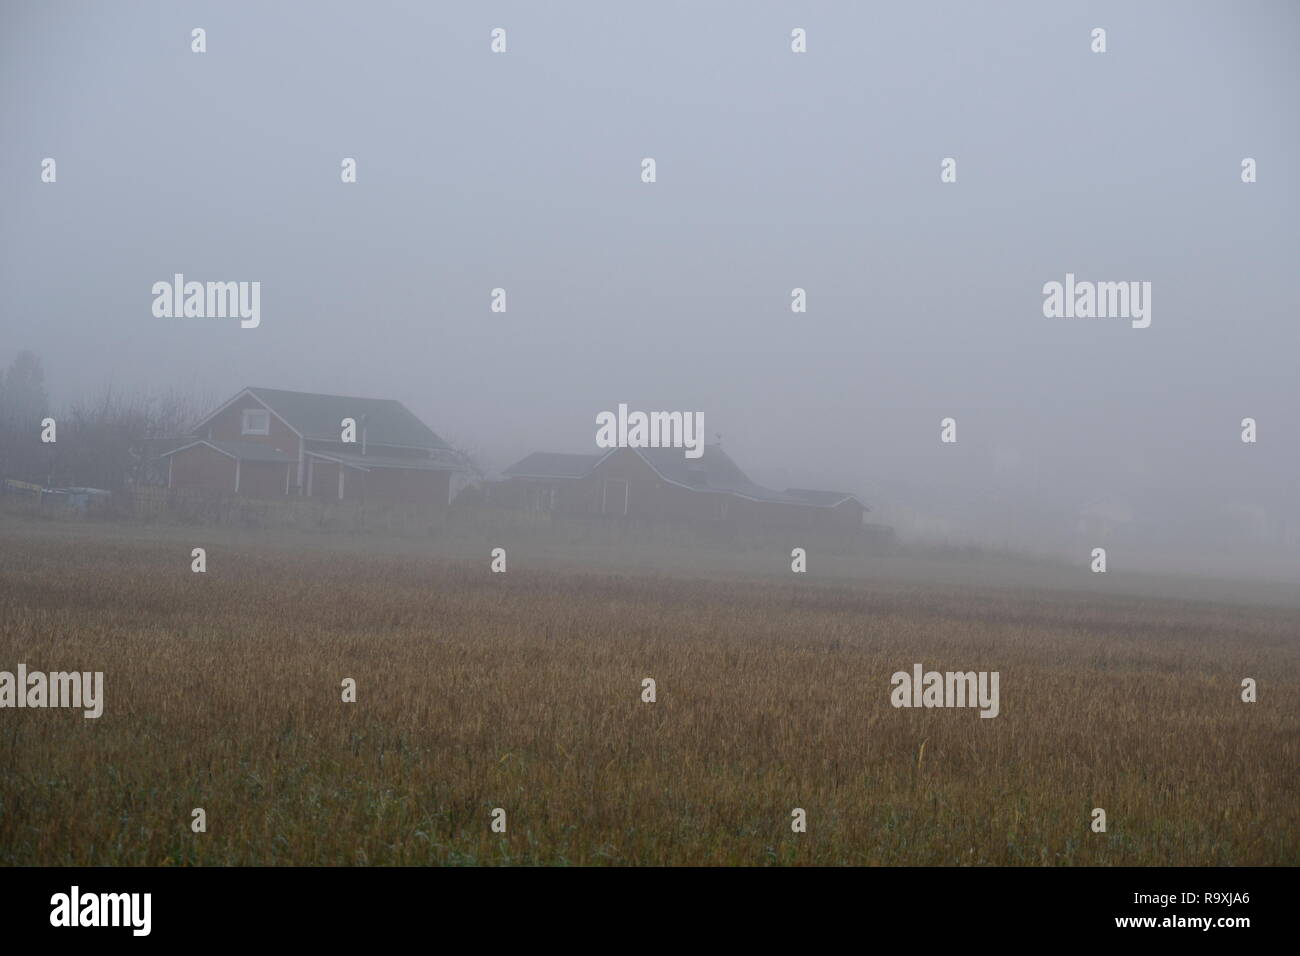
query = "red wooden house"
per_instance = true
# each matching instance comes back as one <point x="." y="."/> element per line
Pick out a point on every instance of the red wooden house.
<point x="267" y="442"/>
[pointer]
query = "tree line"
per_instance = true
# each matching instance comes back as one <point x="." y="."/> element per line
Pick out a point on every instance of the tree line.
<point x="106" y="441"/>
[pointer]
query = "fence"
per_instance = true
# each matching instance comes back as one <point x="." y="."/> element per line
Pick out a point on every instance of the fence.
<point x="189" y="506"/>
<point x="155" y="504"/>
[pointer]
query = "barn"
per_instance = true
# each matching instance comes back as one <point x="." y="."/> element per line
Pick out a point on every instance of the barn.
<point x="269" y="443"/>
<point x="662" y="485"/>
<point x="547" y="481"/>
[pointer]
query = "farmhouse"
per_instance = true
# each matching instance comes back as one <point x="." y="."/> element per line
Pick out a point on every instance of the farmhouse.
<point x="660" y="484"/>
<point x="267" y="443"/>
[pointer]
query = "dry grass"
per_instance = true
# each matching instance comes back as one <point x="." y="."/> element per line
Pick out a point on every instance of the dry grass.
<point x="522" y="691"/>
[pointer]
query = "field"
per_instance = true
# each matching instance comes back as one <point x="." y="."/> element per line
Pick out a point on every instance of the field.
<point x="522" y="691"/>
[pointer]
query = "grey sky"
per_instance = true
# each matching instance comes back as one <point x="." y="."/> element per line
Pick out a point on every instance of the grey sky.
<point x="775" y="170"/>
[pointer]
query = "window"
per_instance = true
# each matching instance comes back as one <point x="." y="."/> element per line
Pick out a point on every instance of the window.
<point x="257" y="421"/>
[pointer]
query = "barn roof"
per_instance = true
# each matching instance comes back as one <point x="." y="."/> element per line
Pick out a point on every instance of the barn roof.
<point x="827" y="499"/>
<point x="713" y="471"/>
<point x="548" y="464"/>
<point x="317" y="416"/>
<point x="313" y="415"/>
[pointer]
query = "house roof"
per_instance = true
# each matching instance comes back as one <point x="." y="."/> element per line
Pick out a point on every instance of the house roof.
<point x="317" y="416"/>
<point x="242" y="450"/>
<point x="713" y="471"/>
<point x="156" y="446"/>
<point x="445" y="461"/>
<point x="826" y="499"/>
<point x="547" y="464"/>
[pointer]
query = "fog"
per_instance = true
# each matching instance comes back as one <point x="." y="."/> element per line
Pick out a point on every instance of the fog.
<point x="775" y="171"/>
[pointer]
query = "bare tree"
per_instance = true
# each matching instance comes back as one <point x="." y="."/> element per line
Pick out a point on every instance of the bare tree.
<point x="113" y="440"/>
<point x="467" y="485"/>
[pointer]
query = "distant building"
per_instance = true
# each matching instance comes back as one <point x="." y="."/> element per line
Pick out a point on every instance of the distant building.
<point x="268" y="443"/>
<point x="661" y="484"/>
<point x="547" y="481"/>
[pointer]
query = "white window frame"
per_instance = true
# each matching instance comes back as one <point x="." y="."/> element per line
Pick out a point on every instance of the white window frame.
<point x="245" y="426"/>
